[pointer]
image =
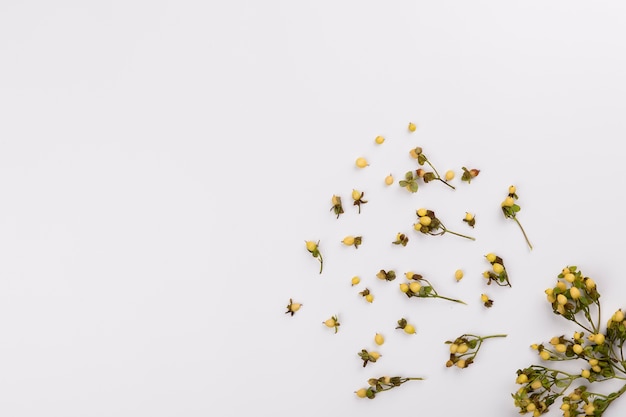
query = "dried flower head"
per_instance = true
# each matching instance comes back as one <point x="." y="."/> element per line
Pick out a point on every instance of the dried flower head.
<point x="367" y="295"/>
<point x="469" y="174"/>
<point x="401" y="239"/>
<point x="487" y="302"/>
<point x="368" y="357"/>
<point x="314" y="250"/>
<point x="422" y="288"/>
<point x="292" y="307"/>
<point x="337" y="207"/>
<point x="357" y="196"/>
<point x="406" y="326"/>
<point x="470" y="219"/>
<point x="332" y="322"/>
<point x="388" y="276"/>
<point x="352" y="241"/>
<point x="498" y="273"/>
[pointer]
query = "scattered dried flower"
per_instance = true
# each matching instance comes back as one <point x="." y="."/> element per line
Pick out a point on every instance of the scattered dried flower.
<point x="314" y="250"/>
<point x="292" y="307"/>
<point x="337" y="208"/>
<point x="352" y="241"/>
<point x="367" y="295"/>
<point x="470" y="219"/>
<point x="429" y="224"/>
<point x="368" y="357"/>
<point x="332" y="322"/>
<point x="388" y="276"/>
<point x="510" y="210"/>
<point x="357" y="196"/>
<point x="401" y="239"/>
<point x="404" y="325"/>
<point x="384" y="383"/>
<point x="422" y="288"/>
<point x="498" y="273"/>
<point x="469" y="174"/>
<point x="463" y="349"/>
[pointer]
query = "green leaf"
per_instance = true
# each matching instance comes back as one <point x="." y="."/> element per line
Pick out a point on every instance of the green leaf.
<point x="414" y="187"/>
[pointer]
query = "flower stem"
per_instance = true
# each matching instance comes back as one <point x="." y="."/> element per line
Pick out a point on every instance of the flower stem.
<point x="321" y="262"/>
<point x="439" y="176"/>
<point x="450" y="299"/>
<point x="523" y="232"/>
<point x="458" y="234"/>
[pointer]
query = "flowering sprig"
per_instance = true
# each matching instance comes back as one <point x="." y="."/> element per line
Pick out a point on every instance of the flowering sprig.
<point x="469" y="174"/>
<point x="510" y="210"/>
<point x="314" y="250"/>
<point x="401" y="239"/>
<point x="417" y="153"/>
<point x="384" y="383"/>
<point x="292" y="307"/>
<point x="498" y="272"/>
<point x="337" y="207"/>
<point x="416" y="288"/>
<point x="429" y="224"/>
<point x="357" y="197"/>
<point x="368" y="357"/>
<point x="575" y="298"/>
<point x="463" y="349"/>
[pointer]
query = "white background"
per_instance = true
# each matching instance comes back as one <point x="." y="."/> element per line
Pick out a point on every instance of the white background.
<point x="162" y="163"/>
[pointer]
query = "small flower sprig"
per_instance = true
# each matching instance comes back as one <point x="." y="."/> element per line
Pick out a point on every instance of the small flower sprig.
<point x="387" y="276"/>
<point x="463" y="349"/>
<point x="384" y="383"/>
<point x="357" y="197"/>
<point x="352" y="241"/>
<point x="575" y="298"/>
<point x="368" y="357"/>
<point x="498" y="273"/>
<point x="292" y="307"/>
<point x="314" y="249"/>
<point x="367" y="295"/>
<point x="470" y="219"/>
<point x="401" y="239"/>
<point x="337" y="207"/>
<point x="332" y="322"/>
<point x="510" y="210"/>
<point x="416" y="288"/>
<point x="469" y="174"/>
<point x="417" y="153"/>
<point x="429" y="224"/>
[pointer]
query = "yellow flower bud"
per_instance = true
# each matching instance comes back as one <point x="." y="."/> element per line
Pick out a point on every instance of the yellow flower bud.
<point x="599" y="339"/>
<point x="361" y="162"/>
<point x="356" y="195"/>
<point x="412" y="127"/>
<point x="458" y="275"/>
<point x="561" y="348"/>
<point x="569" y="277"/>
<point x="585" y="373"/>
<point x="561" y="299"/>
<point x="449" y="175"/>
<point x="561" y="285"/>
<point x="469" y="216"/>
<point x="311" y="246"/>
<point x="379" y="339"/>
<point x="413" y="153"/>
<point x="335" y="200"/>
<point x="415" y="287"/>
<point x="521" y="379"/>
<point x="409" y="329"/>
<point x="330" y="322"/>
<point x="593" y="362"/>
<point x="512" y="189"/>
<point x="531" y="407"/>
<point x="379" y="140"/>
<point x="578" y="349"/>
<point x="348" y="240"/>
<point x="375" y="355"/>
<point x="590" y="284"/>
<point x="589" y="409"/>
<point x="498" y="268"/>
<point x="565" y="271"/>
<point x="544" y="354"/>
<point x="425" y="221"/>
<point x="534" y="346"/>
<point x="362" y="393"/>
<point x="596" y="368"/>
<point x="422" y="212"/>
<point x="555" y="341"/>
<point x="484" y="298"/>
<point x="389" y="179"/>
<point x="356" y="280"/>
<point x="536" y="384"/>
<point x="369" y="298"/>
<point x="508" y="202"/>
<point x="295" y="307"/>
<point x="404" y="287"/>
<point x="486" y="274"/>
<point x="574" y="293"/>
<point x="618" y="317"/>
<point x="463" y="348"/>
<point x="409" y="275"/>
<point x="491" y="257"/>
<point x="461" y="363"/>
<point x="565" y="407"/>
<point x="417" y="227"/>
<point x="453" y="348"/>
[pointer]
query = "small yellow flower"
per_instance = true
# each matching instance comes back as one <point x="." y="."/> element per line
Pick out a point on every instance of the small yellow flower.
<point x="449" y="175"/>
<point x="375" y="355"/>
<point x="409" y="329"/>
<point x="412" y="127"/>
<point x="498" y="268"/>
<point x="361" y="162"/>
<point x="561" y="299"/>
<point x="355" y="281"/>
<point x="348" y="240"/>
<point x="598" y="338"/>
<point x="389" y="179"/>
<point x="369" y="298"/>
<point x="463" y="348"/>
<point x="569" y="277"/>
<point x="404" y="287"/>
<point x="461" y="363"/>
<point x="425" y="221"/>
<point x="356" y="194"/>
<point x="453" y="348"/>
<point x="618" y="316"/>
<point x="362" y="393"/>
<point x="561" y="348"/>
<point x="330" y="322"/>
<point x="379" y="140"/>
<point x="545" y="355"/>
<point x="574" y="293"/>
<point x="422" y="212"/>
<point x="521" y="379"/>
<point x="508" y="202"/>
<point x="585" y="373"/>
<point x="469" y="217"/>
<point x="484" y="298"/>
<point x="379" y="339"/>
<point x="415" y="287"/>
<point x="491" y="257"/>
<point x="311" y="245"/>
<point x="590" y="284"/>
<point x="512" y="189"/>
<point x="578" y="349"/>
<point x="458" y="275"/>
<point x="536" y="384"/>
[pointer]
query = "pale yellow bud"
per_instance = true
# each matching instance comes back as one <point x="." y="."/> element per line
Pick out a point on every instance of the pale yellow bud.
<point x="484" y="298"/>
<point x="335" y="200"/>
<point x="453" y="348"/>
<point x="422" y="212"/>
<point x="512" y="189"/>
<point x="425" y="221"/>
<point x="536" y="384"/>
<point x="491" y="257"/>
<point x="618" y="316"/>
<point x="578" y="349"/>
<point x="585" y="373"/>
<point x="561" y="285"/>
<point x="458" y="275"/>
<point x="521" y="379"/>
<point x="415" y="287"/>
<point x="463" y="348"/>
<point x="409" y="329"/>
<point x="361" y="162"/>
<point x="404" y="287"/>
<point x="379" y="339"/>
<point x="379" y="140"/>
<point x="356" y="280"/>
<point x="469" y="217"/>
<point x="574" y="293"/>
<point x="561" y="299"/>
<point x="356" y="195"/>
<point x="561" y="348"/>
<point x="449" y="175"/>
<point x="498" y="268"/>
<point x="544" y="354"/>
<point x="461" y="363"/>
<point x="508" y="202"/>
<point x="369" y="298"/>
<point x="311" y="246"/>
<point x="590" y="284"/>
<point x="389" y="179"/>
<point x="362" y="393"/>
<point x="412" y="127"/>
<point x="330" y="322"/>
<point x="348" y="240"/>
<point x="569" y="277"/>
<point x="375" y="355"/>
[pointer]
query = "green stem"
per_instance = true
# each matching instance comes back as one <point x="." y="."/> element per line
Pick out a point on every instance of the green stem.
<point x="439" y="176"/>
<point x="458" y="234"/>
<point x="523" y="232"/>
<point x="321" y="261"/>
<point x="450" y="299"/>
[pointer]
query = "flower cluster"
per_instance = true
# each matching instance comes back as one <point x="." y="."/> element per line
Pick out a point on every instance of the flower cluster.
<point x="429" y="224"/>
<point x="510" y="210"/>
<point x="384" y="383"/>
<point x="314" y="250"/>
<point x="599" y="354"/>
<point x="410" y="179"/>
<point x="463" y="349"/>
<point x="417" y="286"/>
<point x="498" y="272"/>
